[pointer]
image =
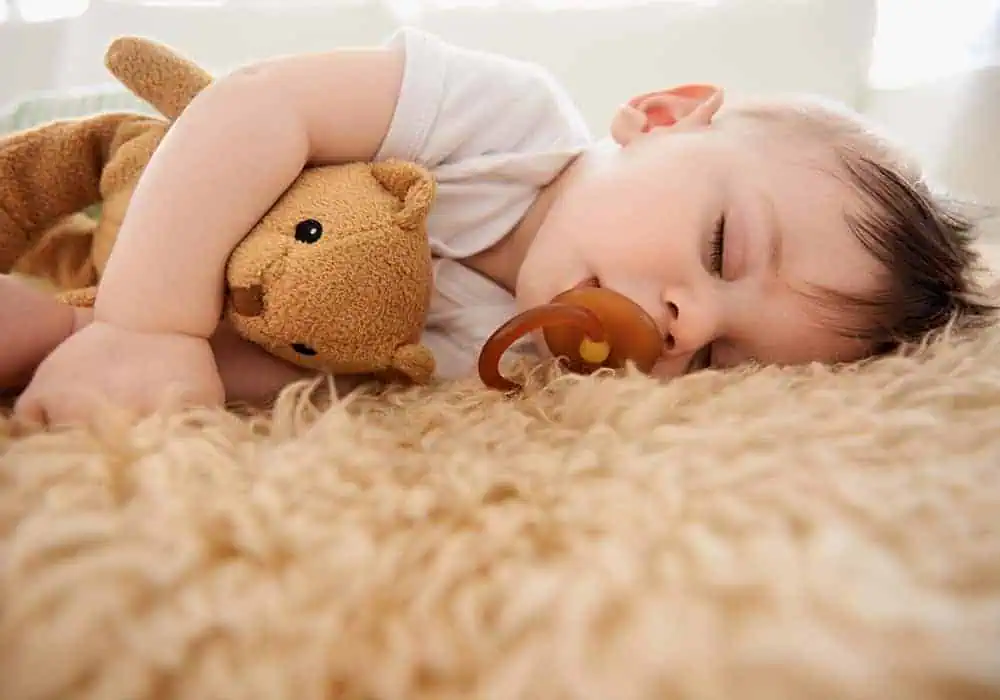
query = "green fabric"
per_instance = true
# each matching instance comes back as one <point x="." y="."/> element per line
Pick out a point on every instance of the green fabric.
<point x="44" y="107"/>
<point x="39" y="109"/>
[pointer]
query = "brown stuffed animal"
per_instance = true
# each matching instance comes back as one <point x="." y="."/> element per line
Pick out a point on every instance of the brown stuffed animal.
<point x="335" y="277"/>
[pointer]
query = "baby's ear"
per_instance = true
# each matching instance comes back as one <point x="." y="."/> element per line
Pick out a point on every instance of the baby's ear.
<point x="685" y="104"/>
<point x="411" y="184"/>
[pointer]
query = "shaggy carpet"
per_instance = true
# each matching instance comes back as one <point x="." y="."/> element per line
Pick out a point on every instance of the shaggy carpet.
<point x="809" y="533"/>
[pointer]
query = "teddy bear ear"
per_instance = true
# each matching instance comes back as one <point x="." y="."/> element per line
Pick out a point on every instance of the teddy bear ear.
<point x="411" y="184"/>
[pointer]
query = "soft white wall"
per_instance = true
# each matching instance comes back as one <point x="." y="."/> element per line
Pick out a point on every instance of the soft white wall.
<point x="952" y="124"/>
<point x="936" y="86"/>
<point x="602" y="55"/>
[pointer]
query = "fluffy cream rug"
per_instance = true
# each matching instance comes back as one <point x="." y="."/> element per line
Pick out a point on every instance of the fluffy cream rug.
<point x="765" y="534"/>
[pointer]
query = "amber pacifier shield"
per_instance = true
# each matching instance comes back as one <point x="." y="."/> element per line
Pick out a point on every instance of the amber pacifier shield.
<point x="631" y="333"/>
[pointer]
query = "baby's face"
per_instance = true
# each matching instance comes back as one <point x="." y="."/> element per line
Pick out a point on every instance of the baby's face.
<point x="719" y="232"/>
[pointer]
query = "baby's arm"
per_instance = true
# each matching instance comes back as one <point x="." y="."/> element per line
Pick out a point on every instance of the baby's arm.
<point x="33" y="323"/>
<point x="222" y="165"/>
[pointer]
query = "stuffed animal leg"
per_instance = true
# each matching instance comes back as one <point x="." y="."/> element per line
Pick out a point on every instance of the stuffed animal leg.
<point x="49" y="174"/>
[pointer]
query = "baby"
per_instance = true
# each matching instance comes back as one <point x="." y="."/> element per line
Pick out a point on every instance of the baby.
<point x="778" y="232"/>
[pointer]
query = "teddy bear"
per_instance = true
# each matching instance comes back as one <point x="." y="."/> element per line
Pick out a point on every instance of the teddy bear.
<point x="336" y="277"/>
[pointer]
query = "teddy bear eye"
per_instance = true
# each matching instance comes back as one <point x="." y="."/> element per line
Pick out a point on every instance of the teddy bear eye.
<point x="308" y="231"/>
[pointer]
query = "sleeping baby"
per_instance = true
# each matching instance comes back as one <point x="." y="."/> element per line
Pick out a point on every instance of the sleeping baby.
<point x="774" y="232"/>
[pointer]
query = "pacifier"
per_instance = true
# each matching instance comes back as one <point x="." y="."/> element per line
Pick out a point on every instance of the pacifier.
<point x="588" y="327"/>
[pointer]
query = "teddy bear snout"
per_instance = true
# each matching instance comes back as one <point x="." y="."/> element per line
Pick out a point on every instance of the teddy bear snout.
<point x="248" y="301"/>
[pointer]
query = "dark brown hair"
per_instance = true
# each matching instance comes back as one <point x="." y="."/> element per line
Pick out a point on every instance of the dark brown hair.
<point x="924" y="242"/>
<point x="926" y="245"/>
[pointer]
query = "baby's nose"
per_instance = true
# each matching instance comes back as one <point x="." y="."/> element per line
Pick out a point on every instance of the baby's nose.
<point x="670" y="324"/>
<point x="687" y="325"/>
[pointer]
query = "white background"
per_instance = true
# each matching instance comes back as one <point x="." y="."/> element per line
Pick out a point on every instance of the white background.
<point x="929" y="70"/>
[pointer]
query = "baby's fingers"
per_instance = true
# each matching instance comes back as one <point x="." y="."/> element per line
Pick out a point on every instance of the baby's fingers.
<point x="51" y="409"/>
<point x="29" y="409"/>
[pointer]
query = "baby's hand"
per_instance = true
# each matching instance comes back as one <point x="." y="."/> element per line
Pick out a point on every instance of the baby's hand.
<point x="133" y="371"/>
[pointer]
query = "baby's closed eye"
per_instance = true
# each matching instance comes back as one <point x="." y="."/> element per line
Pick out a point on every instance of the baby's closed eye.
<point x="718" y="246"/>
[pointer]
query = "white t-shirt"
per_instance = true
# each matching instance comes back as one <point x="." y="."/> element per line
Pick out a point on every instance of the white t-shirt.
<point x="493" y="131"/>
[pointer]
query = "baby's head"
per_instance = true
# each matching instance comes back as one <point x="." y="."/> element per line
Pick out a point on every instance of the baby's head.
<point x="781" y="232"/>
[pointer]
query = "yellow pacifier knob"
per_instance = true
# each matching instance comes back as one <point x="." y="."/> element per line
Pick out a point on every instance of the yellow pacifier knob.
<point x="594" y="352"/>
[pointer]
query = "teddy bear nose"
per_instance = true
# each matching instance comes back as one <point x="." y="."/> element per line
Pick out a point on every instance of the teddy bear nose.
<point x="303" y="349"/>
<point x="248" y="301"/>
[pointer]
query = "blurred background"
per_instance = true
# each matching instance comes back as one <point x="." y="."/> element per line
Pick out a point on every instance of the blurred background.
<point x="927" y="70"/>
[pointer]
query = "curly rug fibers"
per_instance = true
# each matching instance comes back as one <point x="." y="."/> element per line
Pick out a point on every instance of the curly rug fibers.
<point x="767" y="534"/>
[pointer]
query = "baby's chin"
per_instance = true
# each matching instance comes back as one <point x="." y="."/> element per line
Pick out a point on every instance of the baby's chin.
<point x="528" y="297"/>
<point x="533" y="290"/>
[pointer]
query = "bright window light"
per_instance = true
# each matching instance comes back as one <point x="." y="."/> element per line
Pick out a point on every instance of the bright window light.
<point x="922" y="40"/>
<point x="45" y="10"/>
<point x="606" y="4"/>
<point x="176" y="3"/>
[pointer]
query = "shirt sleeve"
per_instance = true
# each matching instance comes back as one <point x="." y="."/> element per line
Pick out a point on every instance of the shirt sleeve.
<point x="457" y="103"/>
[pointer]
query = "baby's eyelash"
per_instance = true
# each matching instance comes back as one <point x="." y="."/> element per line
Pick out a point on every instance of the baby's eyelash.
<point x="718" y="243"/>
